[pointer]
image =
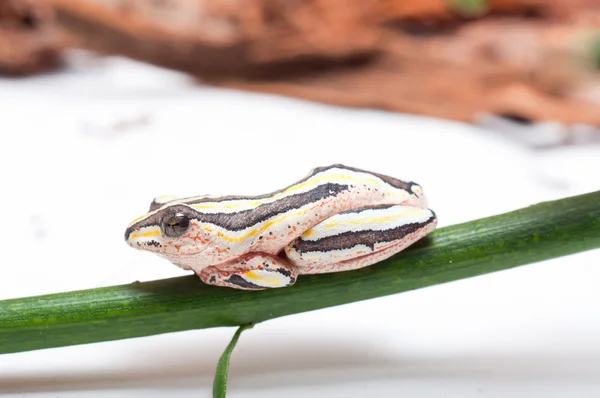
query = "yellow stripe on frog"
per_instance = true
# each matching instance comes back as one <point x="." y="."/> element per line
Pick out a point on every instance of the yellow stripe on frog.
<point x="269" y="281"/>
<point x="261" y="229"/>
<point x="294" y="188"/>
<point x="373" y="220"/>
<point x="148" y="234"/>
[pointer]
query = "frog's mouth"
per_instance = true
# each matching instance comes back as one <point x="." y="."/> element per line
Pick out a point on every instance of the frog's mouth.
<point x="186" y="261"/>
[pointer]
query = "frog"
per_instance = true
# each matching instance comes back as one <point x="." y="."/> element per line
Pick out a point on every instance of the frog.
<point x="337" y="218"/>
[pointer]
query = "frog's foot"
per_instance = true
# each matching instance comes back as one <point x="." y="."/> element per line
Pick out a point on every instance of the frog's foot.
<point x="252" y="271"/>
<point x="358" y="238"/>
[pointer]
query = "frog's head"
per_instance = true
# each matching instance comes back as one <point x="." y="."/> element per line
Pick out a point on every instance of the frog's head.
<point x="170" y="228"/>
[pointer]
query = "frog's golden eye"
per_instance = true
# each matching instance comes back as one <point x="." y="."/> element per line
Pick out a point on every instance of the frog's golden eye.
<point x="175" y="224"/>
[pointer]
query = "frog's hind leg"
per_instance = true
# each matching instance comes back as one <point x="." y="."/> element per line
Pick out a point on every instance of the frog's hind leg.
<point x="360" y="237"/>
<point x="252" y="271"/>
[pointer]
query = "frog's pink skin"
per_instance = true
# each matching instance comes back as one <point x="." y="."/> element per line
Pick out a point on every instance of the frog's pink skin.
<point x="358" y="238"/>
<point x="344" y="242"/>
<point x="291" y="226"/>
<point x="252" y="271"/>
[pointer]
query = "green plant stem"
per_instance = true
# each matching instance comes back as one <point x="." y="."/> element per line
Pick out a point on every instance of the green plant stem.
<point x="470" y="8"/>
<point x="222" y="373"/>
<point x="536" y="233"/>
<point x="595" y="49"/>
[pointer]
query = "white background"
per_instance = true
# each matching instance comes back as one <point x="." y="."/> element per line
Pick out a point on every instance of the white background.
<point x="85" y="150"/>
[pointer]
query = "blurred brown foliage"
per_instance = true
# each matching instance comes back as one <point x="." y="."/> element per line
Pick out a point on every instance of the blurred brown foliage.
<point x="528" y="60"/>
<point x="29" y="40"/>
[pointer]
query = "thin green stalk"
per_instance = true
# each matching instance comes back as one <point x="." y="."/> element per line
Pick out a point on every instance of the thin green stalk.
<point x="470" y="8"/>
<point x="220" y="382"/>
<point x="536" y="233"/>
<point x="595" y="49"/>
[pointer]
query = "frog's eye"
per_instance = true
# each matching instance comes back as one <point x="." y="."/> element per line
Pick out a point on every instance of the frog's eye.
<point x="175" y="224"/>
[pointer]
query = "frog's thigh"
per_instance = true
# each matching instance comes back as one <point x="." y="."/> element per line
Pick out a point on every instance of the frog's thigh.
<point x="253" y="271"/>
<point x="358" y="238"/>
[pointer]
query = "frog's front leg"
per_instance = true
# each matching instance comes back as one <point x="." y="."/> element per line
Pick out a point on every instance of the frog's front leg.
<point x="252" y="271"/>
<point x="358" y="238"/>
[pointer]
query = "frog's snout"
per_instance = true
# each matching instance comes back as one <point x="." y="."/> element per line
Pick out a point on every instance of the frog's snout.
<point x="143" y="237"/>
<point x="128" y="232"/>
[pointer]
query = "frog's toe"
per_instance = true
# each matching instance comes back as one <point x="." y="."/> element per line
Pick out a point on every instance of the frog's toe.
<point x="262" y="279"/>
<point x="252" y="272"/>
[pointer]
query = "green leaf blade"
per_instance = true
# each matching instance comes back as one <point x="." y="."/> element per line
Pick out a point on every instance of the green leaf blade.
<point x="536" y="233"/>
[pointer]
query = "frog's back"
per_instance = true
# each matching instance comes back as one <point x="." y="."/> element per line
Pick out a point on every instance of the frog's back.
<point x="320" y="183"/>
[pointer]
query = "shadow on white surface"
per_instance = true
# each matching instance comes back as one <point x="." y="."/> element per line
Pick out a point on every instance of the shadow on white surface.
<point x="280" y="365"/>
